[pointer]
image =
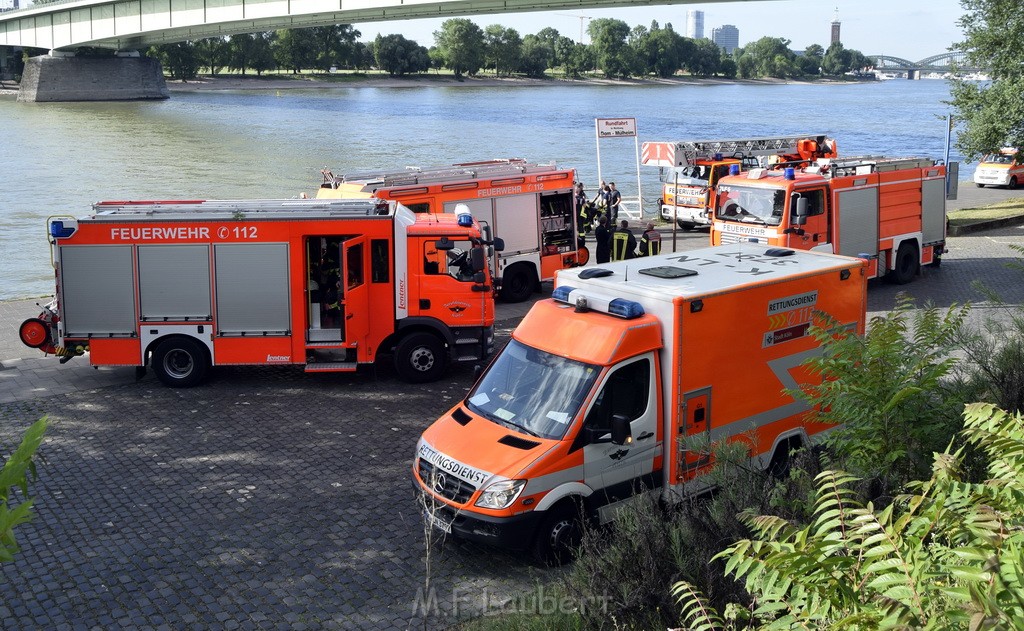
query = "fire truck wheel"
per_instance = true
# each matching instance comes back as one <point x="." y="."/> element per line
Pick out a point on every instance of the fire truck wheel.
<point x="34" y="333"/>
<point x="559" y="534"/>
<point x="517" y="284"/>
<point x="180" y="362"/>
<point x="1013" y="182"/>
<point x="420" y="358"/>
<point x="979" y="185"/>
<point x="907" y="264"/>
<point x="686" y="225"/>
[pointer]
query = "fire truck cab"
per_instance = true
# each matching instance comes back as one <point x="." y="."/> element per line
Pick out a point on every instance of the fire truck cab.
<point x="891" y="211"/>
<point x="528" y="205"/>
<point x="690" y="169"/>
<point x="328" y="284"/>
<point x="618" y="384"/>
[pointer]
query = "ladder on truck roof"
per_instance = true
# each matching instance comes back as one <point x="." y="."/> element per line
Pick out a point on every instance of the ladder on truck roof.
<point x="687" y="152"/>
<point x="193" y="210"/>
<point x="427" y="175"/>
<point x="863" y="165"/>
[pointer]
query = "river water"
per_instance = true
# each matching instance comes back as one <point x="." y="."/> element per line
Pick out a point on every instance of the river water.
<point x="58" y="158"/>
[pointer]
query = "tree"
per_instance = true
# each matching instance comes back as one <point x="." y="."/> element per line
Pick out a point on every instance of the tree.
<point x="770" y="57"/>
<point x="550" y="39"/>
<point x="578" y="60"/>
<point x="398" y="56"/>
<point x="836" y="60"/>
<point x="460" y="44"/>
<point x="213" y="53"/>
<point x="178" y="59"/>
<point x="503" y="49"/>
<point x="614" y="57"/>
<point x="333" y="46"/>
<point x="992" y="114"/>
<point x="810" y="61"/>
<point x="705" y="58"/>
<point x="15" y="474"/>
<point x="294" y="49"/>
<point x="663" y="51"/>
<point x="537" y="56"/>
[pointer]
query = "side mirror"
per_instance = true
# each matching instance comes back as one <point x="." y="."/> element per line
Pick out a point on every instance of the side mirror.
<point x="499" y="244"/>
<point x="444" y="244"/>
<point x="620" y="430"/>
<point x="477" y="259"/>
<point x="479" y="278"/>
<point x="800" y="211"/>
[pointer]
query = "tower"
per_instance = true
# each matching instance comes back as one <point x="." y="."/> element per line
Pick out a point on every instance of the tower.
<point x="835" y="27"/>
<point x="726" y="37"/>
<point x="694" y="24"/>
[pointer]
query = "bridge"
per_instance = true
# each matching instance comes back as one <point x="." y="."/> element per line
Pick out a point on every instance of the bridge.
<point x="943" y="62"/>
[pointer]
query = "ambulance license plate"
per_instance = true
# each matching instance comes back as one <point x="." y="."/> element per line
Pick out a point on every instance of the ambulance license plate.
<point x="438" y="522"/>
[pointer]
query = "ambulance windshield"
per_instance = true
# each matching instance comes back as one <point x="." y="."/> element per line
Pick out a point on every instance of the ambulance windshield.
<point x="533" y="391"/>
<point x="751" y="205"/>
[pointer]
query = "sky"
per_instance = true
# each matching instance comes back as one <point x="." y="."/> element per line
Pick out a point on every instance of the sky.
<point x="911" y="29"/>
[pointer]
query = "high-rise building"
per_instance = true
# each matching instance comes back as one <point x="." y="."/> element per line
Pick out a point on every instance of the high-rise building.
<point x="835" y="27"/>
<point x="694" y="24"/>
<point x="727" y="37"/>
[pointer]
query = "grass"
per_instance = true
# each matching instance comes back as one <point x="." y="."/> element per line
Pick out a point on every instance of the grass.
<point x="1000" y="210"/>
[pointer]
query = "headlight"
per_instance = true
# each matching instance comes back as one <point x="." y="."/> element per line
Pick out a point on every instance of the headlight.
<point x="501" y="494"/>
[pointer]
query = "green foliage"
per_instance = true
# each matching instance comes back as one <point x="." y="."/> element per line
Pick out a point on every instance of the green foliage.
<point x="537" y="56"/>
<point x="992" y="114"/>
<point x="15" y="474"/>
<point x="578" y="60"/>
<point x="333" y="46"/>
<point x="213" y="53"/>
<point x="887" y="391"/>
<point x="294" y="49"/>
<point x="179" y="60"/>
<point x="662" y="51"/>
<point x="503" y="49"/>
<point x="949" y="555"/>
<point x="615" y="58"/>
<point x="399" y="56"/>
<point x="460" y="43"/>
<point x="705" y="58"/>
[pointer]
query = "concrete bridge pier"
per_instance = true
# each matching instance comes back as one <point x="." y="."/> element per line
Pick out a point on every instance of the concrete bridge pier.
<point x="64" y="77"/>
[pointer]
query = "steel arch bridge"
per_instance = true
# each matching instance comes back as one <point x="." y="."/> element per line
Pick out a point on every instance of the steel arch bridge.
<point x="943" y="62"/>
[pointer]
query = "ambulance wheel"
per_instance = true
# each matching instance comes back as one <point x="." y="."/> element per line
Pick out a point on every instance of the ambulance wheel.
<point x="559" y="534"/>
<point x="686" y="225"/>
<point x="1013" y="182"/>
<point x="420" y="358"/>
<point x="907" y="264"/>
<point x="180" y="362"/>
<point x="517" y="283"/>
<point x="979" y="185"/>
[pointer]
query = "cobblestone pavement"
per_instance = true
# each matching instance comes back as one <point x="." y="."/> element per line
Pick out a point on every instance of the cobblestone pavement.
<point x="269" y="498"/>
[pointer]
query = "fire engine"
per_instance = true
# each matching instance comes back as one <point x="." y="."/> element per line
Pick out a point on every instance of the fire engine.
<point x="891" y="211"/>
<point x="328" y="284"/>
<point x="619" y="382"/>
<point x="530" y="206"/>
<point x="690" y="169"/>
<point x="999" y="169"/>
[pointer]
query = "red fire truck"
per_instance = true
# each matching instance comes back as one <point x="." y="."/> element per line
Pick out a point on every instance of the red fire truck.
<point x="891" y="211"/>
<point x="528" y="205"/>
<point x="328" y="284"/>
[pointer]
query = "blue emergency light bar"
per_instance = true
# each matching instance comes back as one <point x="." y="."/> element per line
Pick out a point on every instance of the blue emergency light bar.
<point x="59" y="231"/>
<point x="465" y="220"/>
<point x="620" y="307"/>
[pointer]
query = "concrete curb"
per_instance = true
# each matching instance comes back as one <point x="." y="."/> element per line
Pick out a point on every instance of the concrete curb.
<point x="978" y="226"/>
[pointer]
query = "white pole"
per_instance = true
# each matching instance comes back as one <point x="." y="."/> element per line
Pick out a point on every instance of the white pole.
<point x="597" y="140"/>
<point x="639" y="192"/>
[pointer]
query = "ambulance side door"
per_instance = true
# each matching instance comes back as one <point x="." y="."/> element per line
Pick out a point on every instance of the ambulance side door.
<point x="616" y="472"/>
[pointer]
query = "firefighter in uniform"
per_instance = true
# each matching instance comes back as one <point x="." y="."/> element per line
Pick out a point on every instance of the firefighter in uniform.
<point x="650" y="241"/>
<point x="623" y="243"/>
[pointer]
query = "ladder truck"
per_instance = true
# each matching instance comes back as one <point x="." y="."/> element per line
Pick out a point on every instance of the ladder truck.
<point x="891" y="211"/>
<point x="528" y="205"/>
<point x="690" y="169"/>
<point x="182" y="286"/>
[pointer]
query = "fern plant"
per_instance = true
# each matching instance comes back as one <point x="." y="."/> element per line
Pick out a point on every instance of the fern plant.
<point x="15" y="474"/>
<point x="887" y="391"/>
<point x="948" y="555"/>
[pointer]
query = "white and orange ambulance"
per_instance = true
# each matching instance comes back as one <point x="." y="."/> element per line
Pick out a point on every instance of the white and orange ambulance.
<point x="328" y="284"/>
<point x="528" y="205"/>
<point x="606" y="387"/>
<point x="999" y="169"/>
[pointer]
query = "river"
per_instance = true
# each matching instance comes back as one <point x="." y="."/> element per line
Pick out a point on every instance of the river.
<point x="58" y="158"/>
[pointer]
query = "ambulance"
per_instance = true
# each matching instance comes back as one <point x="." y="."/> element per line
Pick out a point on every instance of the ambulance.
<point x="999" y="169"/>
<point x="529" y="205"/>
<point x="690" y="169"/>
<point x="891" y="211"/>
<point x="617" y="384"/>
<point x="182" y="286"/>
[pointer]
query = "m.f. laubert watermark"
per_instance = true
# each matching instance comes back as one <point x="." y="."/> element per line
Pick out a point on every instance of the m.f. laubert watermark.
<point x="488" y="602"/>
